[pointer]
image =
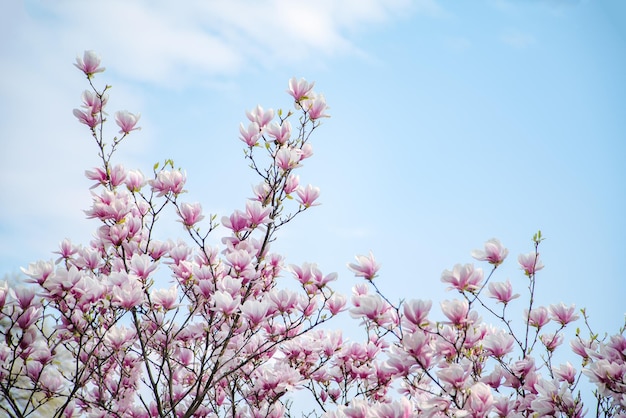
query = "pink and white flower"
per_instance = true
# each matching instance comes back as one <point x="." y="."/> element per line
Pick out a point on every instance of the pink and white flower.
<point x="366" y="266"/>
<point x="299" y="89"/>
<point x="308" y="195"/>
<point x="127" y="121"/>
<point x="530" y="263"/>
<point x="191" y="214"/>
<point x="502" y="291"/>
<point x="494" y="252"/>
<point x="463" y="278"/>
<point x="89" y="63"/>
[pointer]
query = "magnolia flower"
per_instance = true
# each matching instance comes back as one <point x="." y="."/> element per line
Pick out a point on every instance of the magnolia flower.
<point x="299" y="89"/>
<point x="530" y="263"/>
<point x="288" y="158"/>
<point x="134" y="180"/>
<point x="251" y="134"/>
<point x="502" y="291"/>
<point x="463" y="278"/>
<point x="89" y="63"/>
<point x="165" y="298"/>
<point x="456" y="310"/>
<point x="191" y="214"/>
<point x="260" y="116"/>
<point x="498" y="344"/>
<point x="254" y="311"/>
<point x="94" y="102"/>
<point x="537" y="317"/>
<point x="90" y="119"/>
<point x="365" y="267"/>
<point x="416" y="311"/>
<point x="127" y="121"/>
<point x="316" y="107"/>
<point x="494" y="252"/>
<point x="225" y="302"/>
<point x="169" y="181"/>
<point x="563" y="314"/>
<point x="256" y="214"/>
<point x="480" y="400"/>
<point x="280" y="133"/>
<point x="308" y="195"/>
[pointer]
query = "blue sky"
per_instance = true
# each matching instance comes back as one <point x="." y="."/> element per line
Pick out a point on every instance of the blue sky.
<point x="452" y="123"/>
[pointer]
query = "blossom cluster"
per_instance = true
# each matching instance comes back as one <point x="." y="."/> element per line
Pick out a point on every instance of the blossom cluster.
<point x="133" y="326"/>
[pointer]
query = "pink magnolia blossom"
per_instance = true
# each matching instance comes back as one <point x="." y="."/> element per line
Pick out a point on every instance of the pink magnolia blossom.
<point x="120" y="336"/>
<point x="280" y="132"/>
<point x="537" y="317"/>
<point x="299" y="89"/>
<point x="551" y="341"/>
<point x="306" y="151"/>
<point x="191" y="214"/>
<point x="225" y="302"/>
<point x="454" y="375"/>
<point x="563" y="314"/>
<point x="336" y="303"/>
<point x="39" y="271"/>
<point x="90" y="119"/>
<point x="494" y="252"/>
<point x="498" y="344"/>
<point x="127" y="293"/>
<point x="371" y="307"/>
<point x="260" y="116"/>
<point x="480" y="401"/>
<point x="239" y="259"/>
<point x="66" y="250"/>
<point x="142" y="266"/>
<point x="29" y="316"/>
<point x="366" y="266"/>
<point x="169" y="182"/>
<point x="262" y="192"/>
<point x="566" y="373"/>
<point x="316" y="107"/>
<point x="117" y="175"/>
<point x="288" y="158"/>
<point x="165" y="298"/>
<point x="127" y="121"/>
<point x="463" y="278"/>
<point x="456" y="311"/>
<point x="135" y="180"/>
<point x="308" y="195"/>
<point x="24" y="296"/>
<point x="530" y="263"/>
<point x="292" y="183"/>
<point x="284" y="300"/>
<point x="502" y="291"/>
<point x="251" y="134"/>
<point x="89" y="63"/>
<point x="94" y="102"/>
<point x="237" y="221"/>
<point x="256" y="213"/>
<point x="416" y="311"/>
<point x="254" y="311"/>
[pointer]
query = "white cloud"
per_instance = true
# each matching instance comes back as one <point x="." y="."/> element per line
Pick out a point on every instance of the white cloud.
<point x="164" y="43"/>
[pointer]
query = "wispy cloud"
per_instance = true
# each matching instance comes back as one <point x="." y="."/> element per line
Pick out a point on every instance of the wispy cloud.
<point x="162" y="42"/>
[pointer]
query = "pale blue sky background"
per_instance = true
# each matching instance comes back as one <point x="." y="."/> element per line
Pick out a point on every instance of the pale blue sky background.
<point x="452" y="123"/>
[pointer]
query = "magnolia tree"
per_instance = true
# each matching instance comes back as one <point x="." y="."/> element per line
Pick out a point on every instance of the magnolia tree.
<point x="99" y="332"/>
